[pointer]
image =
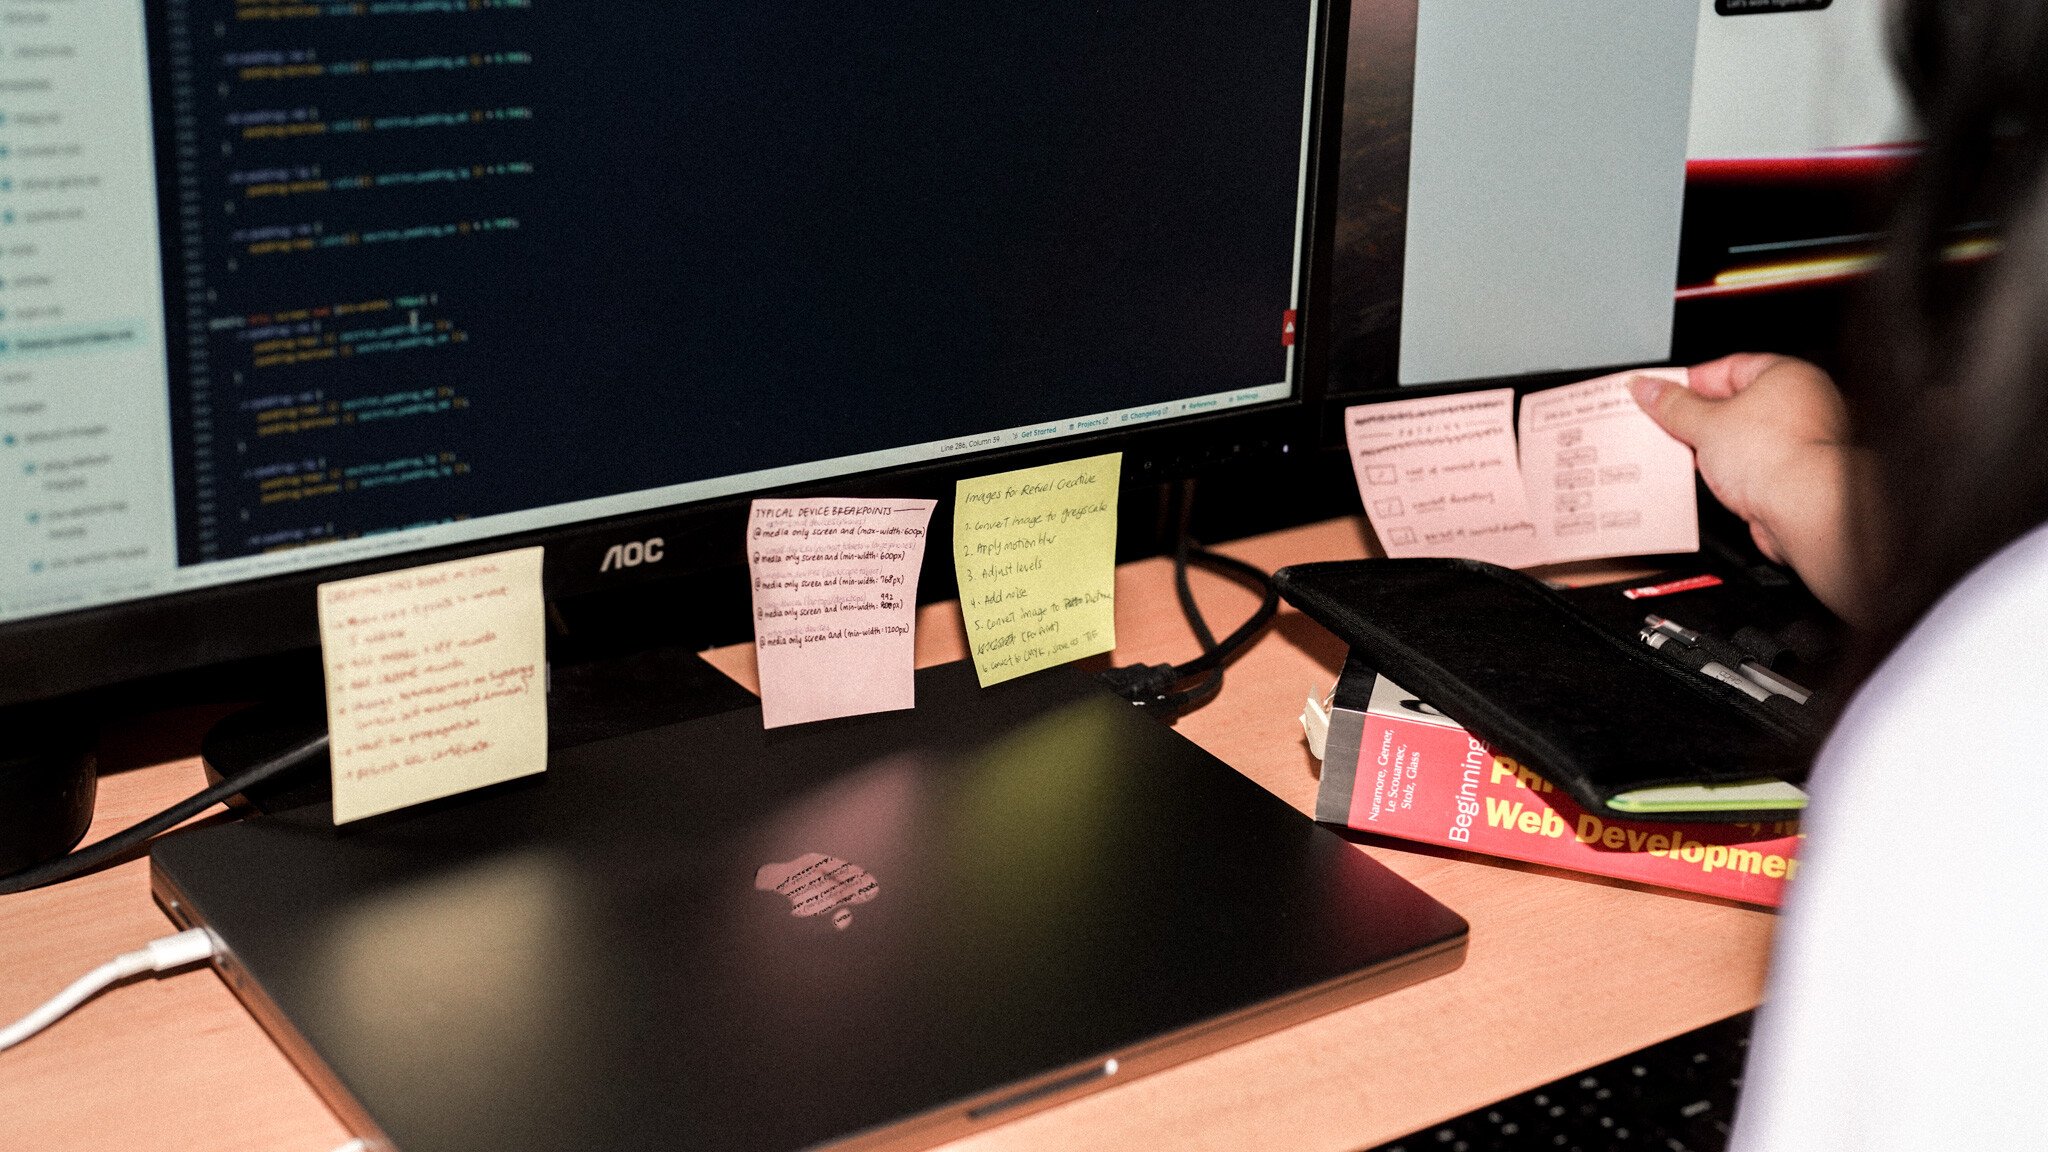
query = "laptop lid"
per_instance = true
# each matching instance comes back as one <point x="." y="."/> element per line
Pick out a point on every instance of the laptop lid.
<point x="887" y="929"/>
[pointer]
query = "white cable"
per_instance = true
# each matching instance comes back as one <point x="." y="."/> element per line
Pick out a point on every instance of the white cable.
<point x="170" y="952"/>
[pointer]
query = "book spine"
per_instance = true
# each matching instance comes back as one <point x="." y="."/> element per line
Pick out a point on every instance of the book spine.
<point x="1436" y="784"/>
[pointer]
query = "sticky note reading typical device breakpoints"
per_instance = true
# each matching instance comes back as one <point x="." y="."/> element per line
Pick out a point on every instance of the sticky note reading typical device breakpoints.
<point x="1603" y="478"/>
<point x="1035" y="553"/>
<point x="835" y="605"/>
<point x="436" y="681"/>
<point x="1439" y="477"/>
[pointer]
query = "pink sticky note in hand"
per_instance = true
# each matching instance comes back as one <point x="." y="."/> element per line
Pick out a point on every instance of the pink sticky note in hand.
<point x="1439" y="477"/>
<point x="1603" y="479"/>
<point x="835" y="605"/>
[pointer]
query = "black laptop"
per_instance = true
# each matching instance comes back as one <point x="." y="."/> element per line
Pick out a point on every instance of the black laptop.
<point x="880" y="931"/>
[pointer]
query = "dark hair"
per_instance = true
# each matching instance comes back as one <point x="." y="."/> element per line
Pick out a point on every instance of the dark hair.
<point x="1948" y="383"/>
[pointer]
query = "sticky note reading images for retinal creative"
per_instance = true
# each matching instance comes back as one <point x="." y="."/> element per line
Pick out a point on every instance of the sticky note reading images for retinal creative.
<point x="436" y="681"/>
<point x="1035" y="553"/>
<point x="835" y="605"/>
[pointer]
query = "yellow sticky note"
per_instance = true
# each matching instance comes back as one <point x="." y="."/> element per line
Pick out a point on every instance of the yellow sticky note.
<point x="436" y="680"/>
<point x="1035" y="553"/>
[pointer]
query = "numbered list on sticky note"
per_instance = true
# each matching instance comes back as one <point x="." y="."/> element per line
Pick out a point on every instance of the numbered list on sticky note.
<point x="436" y="680"/>
<point x="1035" y="554"/>
<point x="835" y="605"/>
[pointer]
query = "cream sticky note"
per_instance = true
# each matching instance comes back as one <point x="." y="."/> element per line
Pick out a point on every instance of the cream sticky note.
<point x="1439" y="477"/>
<point x="1035" y="553"/>
<point x="835" y="605"/>
<point x="1603" y="479"/>
<point x="436" y="680"/>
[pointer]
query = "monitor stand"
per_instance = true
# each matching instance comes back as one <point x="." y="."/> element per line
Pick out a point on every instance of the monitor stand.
<point x="48" y="780"/>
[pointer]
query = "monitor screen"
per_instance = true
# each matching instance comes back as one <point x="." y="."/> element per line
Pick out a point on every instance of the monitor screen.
<point x="286" y="284"/>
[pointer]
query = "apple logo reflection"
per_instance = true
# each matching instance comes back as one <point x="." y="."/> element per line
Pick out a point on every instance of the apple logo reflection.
<point x="816" y="883"/>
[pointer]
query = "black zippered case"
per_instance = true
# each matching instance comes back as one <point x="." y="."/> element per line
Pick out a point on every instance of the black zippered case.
<point x="1571" y="692"/>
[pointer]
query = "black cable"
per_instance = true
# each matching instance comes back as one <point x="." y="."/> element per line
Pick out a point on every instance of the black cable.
<point x="1183" y="543"/>
<point x="1269" y="606"/>
<point x="1209" y="665"/>
<point x="1155" y="686"/>
<point x="1212" y="682"/>
<point x="99" y="852"/>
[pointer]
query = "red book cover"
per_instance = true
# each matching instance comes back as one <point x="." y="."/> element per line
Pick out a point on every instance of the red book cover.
<point x="1396" y="767"/>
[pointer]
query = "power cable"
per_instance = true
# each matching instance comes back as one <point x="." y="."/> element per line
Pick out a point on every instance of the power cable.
<point x="1157" y="686"/>
<point x="128" y="839"/>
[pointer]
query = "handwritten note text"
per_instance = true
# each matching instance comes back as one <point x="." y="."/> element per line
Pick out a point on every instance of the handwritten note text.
<point x="1035" y="553"/>
<point x="436" y="680"/>
<point x="835" y="605"/>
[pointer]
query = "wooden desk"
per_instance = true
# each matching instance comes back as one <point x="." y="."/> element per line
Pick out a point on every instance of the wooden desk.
<point x="1564" y="971"/>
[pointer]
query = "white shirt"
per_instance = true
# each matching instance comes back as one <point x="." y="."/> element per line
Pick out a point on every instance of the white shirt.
<point x="1908" y="999"/>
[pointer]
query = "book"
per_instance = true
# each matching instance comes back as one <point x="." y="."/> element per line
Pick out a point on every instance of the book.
<point x="1395" y="766"/>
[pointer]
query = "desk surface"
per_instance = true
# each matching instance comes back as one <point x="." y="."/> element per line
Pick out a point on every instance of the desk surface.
<point x="176" y="1064"/>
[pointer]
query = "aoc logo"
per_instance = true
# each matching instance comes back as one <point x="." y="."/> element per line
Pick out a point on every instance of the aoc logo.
<point x="632" y="554"/>
<point x="817" y="884"/>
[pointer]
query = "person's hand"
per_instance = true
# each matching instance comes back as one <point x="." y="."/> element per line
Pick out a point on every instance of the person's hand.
<point x="1770" y="434"/>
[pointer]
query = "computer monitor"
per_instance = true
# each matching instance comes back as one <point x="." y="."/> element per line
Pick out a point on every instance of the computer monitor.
<point x="1533" y="192"/>
<point x="292" y="290"/>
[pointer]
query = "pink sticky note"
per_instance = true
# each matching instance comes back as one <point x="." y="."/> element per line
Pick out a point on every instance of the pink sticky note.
<point x="1603" y="478"/>
<point x="835" y="605"/>
<point x="1439" y="477"/>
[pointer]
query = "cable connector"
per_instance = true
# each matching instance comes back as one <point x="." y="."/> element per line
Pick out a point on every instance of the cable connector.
<point x="187" y="947"/>
<point x="1141" y="684"/>
<point x="161" y="955"/>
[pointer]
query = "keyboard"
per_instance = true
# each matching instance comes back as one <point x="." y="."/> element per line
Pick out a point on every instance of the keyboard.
<point x="1678" y="1096"/>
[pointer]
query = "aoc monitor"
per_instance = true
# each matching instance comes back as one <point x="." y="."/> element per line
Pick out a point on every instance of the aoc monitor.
<point x="292" y="290"/>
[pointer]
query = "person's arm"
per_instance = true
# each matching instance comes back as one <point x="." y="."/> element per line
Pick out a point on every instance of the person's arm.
<point x="1771" y="437"/>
